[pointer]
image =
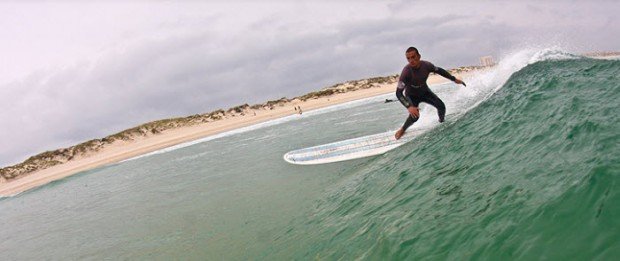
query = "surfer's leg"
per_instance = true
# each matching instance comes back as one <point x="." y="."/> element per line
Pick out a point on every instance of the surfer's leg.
<point x="410" y="119"/>
<point x="400" y="132"/>
<point x="432" y="99"/>
<point x="415" y="101"/>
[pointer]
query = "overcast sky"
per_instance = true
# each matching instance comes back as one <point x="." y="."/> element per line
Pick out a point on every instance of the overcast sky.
<point x="71" y="72"/>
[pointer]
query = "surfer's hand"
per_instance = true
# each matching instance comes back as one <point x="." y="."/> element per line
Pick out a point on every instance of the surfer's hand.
<point x="414" y="111"/>
<point x="458" y="81"/>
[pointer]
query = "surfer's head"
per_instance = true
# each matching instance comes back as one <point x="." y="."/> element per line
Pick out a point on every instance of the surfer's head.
<point x="413" y="56"/>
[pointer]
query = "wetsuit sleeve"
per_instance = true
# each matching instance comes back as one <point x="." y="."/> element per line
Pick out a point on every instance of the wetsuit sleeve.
<point x="401" y="97"/>
<point x="444" y="73"/>
<point x="441" y="71"/>
<point x="400" y="88"/>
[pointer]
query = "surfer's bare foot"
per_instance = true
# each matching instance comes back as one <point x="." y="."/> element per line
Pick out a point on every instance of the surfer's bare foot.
<point x="399" y="133"/>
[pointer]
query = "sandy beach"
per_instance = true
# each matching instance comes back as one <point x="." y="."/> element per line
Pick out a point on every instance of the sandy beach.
<point x="122" y="150"/>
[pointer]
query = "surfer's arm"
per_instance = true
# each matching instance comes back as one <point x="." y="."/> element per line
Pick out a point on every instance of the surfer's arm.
<point x="400" y="88"/>
<point x="448" y="76"/>
<point x="444" y="73"/>
<point x="405" y="101"/>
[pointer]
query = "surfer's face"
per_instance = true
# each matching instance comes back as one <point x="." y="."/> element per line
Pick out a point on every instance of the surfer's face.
<point x="413" y="58"/>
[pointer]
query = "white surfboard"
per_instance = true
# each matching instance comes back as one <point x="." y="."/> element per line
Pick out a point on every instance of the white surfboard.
<point x="348" y="149"/>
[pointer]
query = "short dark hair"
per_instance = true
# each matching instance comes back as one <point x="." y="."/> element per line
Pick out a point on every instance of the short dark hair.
<point x="411" y="49"/>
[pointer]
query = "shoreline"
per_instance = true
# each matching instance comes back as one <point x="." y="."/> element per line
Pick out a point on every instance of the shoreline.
<point x="238" y="117"/>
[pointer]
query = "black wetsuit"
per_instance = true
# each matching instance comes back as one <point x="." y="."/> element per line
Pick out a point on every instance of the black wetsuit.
<point x="413" y="82"/>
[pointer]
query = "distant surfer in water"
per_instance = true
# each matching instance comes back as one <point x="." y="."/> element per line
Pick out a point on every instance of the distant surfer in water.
<point x="413" y="81"/>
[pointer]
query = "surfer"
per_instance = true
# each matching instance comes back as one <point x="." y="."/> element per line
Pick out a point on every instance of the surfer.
<point x="413" y="81"/>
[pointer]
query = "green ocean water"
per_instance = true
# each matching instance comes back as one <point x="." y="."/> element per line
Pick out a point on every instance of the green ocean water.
<point x="532" y="173"/>
<point x="525" y="168"/>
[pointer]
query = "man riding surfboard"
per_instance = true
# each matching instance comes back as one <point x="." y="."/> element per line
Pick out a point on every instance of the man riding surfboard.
<point x="413" y="82"/>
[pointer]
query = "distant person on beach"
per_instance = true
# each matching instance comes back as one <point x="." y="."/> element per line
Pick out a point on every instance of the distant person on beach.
<point x="413" y="82"/>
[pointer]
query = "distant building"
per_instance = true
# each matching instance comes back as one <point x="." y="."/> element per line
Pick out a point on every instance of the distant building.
<point x="487" y="61"/>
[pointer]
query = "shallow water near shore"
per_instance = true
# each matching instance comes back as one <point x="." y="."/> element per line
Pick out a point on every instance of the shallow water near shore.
<point x="526" y="167"/>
